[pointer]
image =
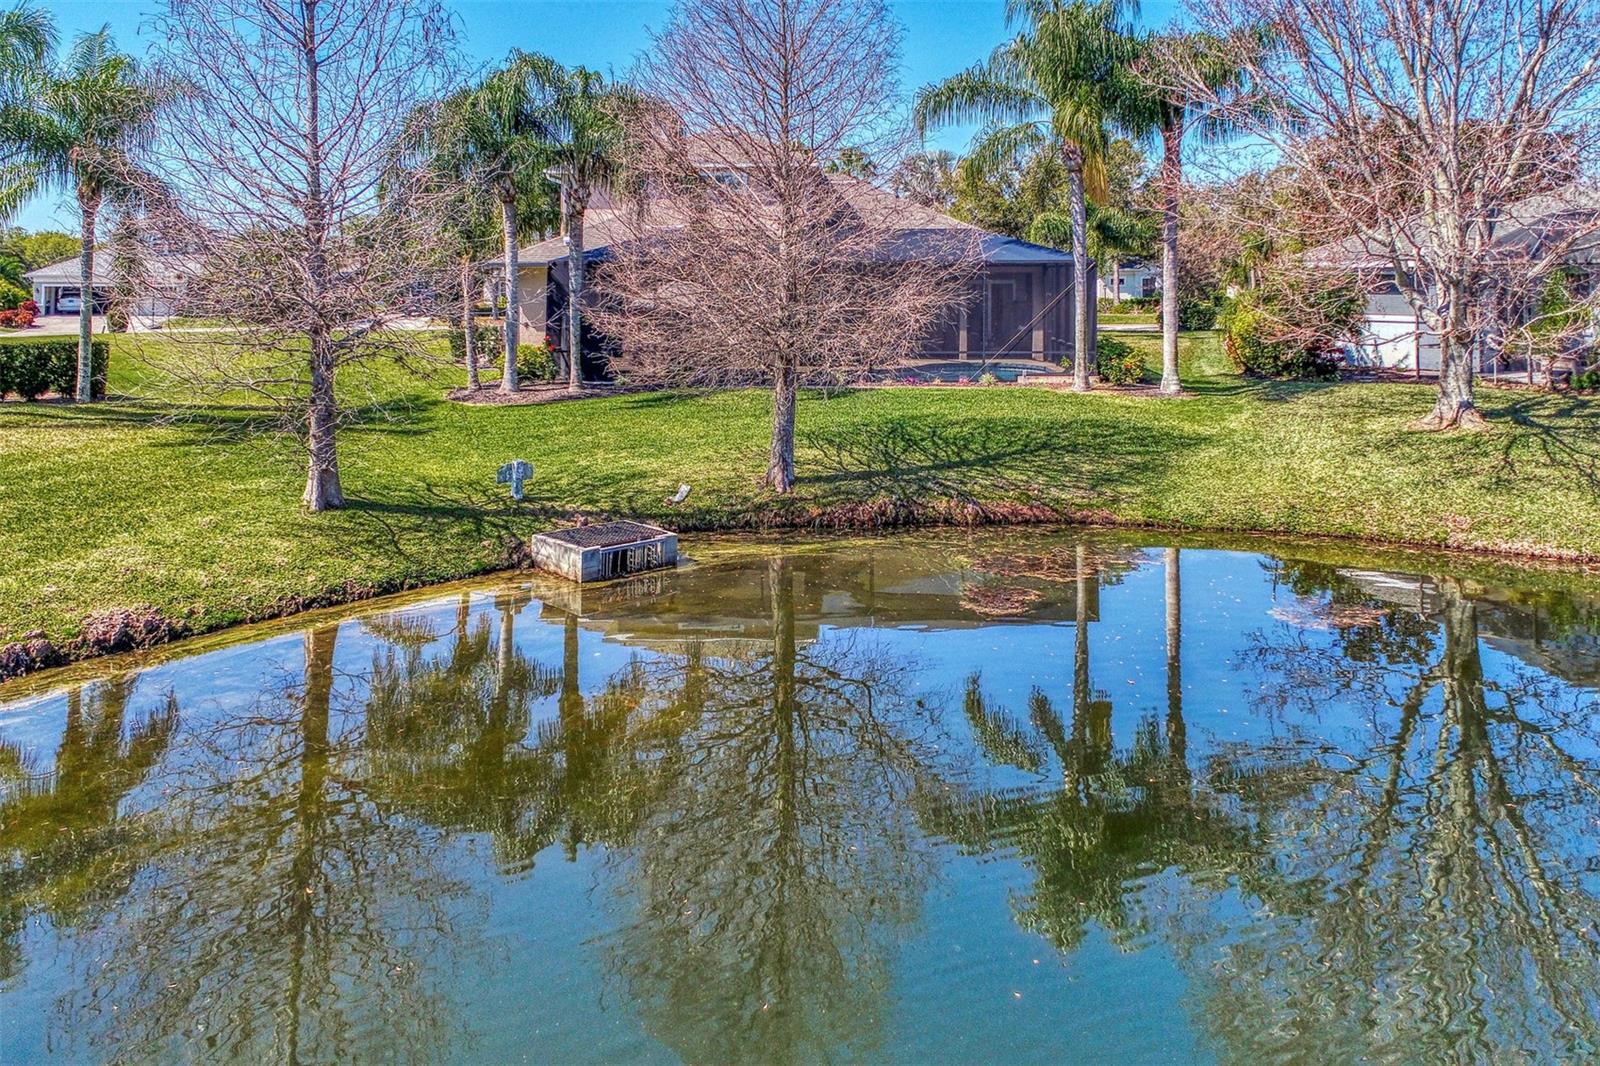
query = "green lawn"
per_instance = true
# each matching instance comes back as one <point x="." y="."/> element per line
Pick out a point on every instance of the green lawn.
<point x="111" y="505"/>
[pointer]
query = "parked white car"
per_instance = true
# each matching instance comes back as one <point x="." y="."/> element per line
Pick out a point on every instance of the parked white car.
<point x="69" y="305"/>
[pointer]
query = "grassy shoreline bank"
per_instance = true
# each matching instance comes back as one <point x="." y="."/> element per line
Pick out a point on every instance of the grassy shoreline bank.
<point x="122" y="505"/>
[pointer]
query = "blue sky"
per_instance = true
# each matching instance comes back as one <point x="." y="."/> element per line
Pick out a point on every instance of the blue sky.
<point x="942" y="36"/>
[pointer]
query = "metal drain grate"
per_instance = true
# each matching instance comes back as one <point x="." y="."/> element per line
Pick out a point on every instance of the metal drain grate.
<point x="604" y="534"/>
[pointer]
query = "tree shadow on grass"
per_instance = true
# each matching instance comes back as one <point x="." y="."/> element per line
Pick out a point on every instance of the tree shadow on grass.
<point x="1562" y="431"/>
<point x="915" y="460"/>
<point x="220" y="423"/>
<point x="1264" y="390"/>
<point x="404" y="524"/>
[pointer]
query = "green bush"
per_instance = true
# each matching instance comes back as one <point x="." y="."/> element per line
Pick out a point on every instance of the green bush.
<point x="536" y="362"/>
<point x="1258" y="344"/>
<point x="1119" y="363"/>
<point x="12" y="295"/>
<point x="491" y="342"/>
<point x="1130" y="305"/>
<point x="1196" y="312"/>
<point x="30" y="368"/>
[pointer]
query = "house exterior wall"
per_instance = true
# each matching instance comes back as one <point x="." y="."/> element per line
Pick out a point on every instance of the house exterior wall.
<point x="1019" y="311"/>
<point x="1137" y="280"/>
<point x="533" y="301"/>
<point x="1392" y="337"/>
<point x="48" y="297"/>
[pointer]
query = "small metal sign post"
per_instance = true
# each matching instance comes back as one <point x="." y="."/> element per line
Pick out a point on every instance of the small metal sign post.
<point x="515" y="473"/>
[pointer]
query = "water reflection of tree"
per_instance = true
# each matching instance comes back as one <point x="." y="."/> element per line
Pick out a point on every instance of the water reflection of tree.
<point x="1116" y="816"/>
<point x="451" y="737"/>
<point x="282" y="915"/>
<point x="62" y="833"/>
<point x="1427" y="890"/>
<point x="771" y="849"/>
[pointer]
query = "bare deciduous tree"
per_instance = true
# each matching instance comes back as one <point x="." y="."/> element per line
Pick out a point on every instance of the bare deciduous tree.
<point x="282" y="216"/>
<point x="1414" y="132"/>
<point x="745" y="262"/>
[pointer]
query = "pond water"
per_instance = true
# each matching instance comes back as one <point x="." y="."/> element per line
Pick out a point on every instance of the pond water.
<point x="1021" y="797"/>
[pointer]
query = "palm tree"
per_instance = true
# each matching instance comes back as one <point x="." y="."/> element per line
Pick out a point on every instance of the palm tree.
<point x="583" y="120"/>
<point x="925" y="178"/>
<point x="469" y="225"/>
<point x="1045" y="89"/>
<point x="1114" y="234"/>
<point x="75" y="128"/>
<point x="27" y="37"/>
<point x="493" y="136"/>
<point x="1152" y="106"/>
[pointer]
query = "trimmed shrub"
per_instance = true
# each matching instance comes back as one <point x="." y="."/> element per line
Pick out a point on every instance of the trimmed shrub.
<point x="1130" y="305"/>
<point x="491" y="342"/>
<point x="30" y="368"/>
<point x="1195" y="312"/>
<point x="1119" y="363"/>
<point x="536" y="362"/>
<point x="16" y="318"/>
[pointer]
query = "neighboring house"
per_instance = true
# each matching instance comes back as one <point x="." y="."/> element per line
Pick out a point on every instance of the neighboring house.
<point x="56" y="287"/>
<point x="1020" y="308"/>
<point x="1392" y="333"/>
<point x="1131" y="279"/>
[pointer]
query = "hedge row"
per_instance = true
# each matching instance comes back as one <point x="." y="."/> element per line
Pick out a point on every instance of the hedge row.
<point x="30" y="368"/>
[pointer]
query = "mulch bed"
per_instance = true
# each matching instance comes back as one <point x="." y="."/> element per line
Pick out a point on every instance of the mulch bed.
<point x="1152" y="389"/>
<point x="544" y="392"/>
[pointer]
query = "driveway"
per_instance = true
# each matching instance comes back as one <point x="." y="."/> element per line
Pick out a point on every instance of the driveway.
<point x="59" y="325"/>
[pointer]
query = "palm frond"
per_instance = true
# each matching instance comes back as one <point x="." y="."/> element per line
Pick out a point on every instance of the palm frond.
<point x="988" y="93"/>
<point x="27" y="37"/>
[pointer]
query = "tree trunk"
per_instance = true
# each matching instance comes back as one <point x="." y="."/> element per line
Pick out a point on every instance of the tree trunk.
<point x="1171" y="178"/>
<point x="89" y="206"/>
<point x="1072" y="155"/>
<point x="508" y="223"/>
<point x="780" y="462"/>
<point x="574" y="201"/>
<point x="323" y="491"/>
<point x="469" y="324"/>
<point x="1454" y="407"/>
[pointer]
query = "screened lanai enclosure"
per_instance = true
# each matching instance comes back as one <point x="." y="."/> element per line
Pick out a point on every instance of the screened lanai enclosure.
<point x="1019" y="308"/>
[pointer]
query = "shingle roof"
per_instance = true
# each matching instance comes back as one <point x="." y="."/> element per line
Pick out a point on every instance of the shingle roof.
<point x="160" y="267"/>
<point x="1555" y="215"/>
<point x="923" y="226"/>
<point x="66" y="272"/>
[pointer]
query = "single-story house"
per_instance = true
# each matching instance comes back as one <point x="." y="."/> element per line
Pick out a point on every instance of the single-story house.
<point x="1020" y="309"/>
<point x="1131" y="279"/>
<point x="1392" y="334"/>
<point x="56" y="288"/>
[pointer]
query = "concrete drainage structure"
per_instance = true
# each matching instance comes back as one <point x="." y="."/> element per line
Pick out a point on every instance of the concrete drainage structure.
<point x="604" y="551"/>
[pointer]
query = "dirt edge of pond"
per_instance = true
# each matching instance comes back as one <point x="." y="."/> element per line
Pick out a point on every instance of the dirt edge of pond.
<point x="142" y="628"/>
